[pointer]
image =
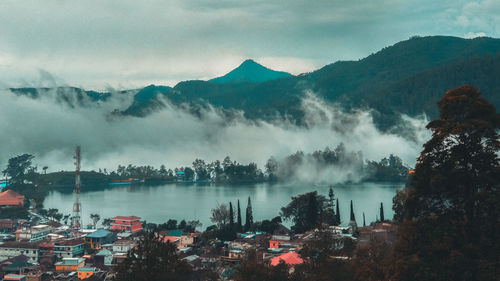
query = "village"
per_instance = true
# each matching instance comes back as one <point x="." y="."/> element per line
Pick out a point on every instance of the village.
<point x="43" y="249"/>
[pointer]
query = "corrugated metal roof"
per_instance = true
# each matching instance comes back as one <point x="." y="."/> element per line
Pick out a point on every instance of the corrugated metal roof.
<point x="100" y="233"/>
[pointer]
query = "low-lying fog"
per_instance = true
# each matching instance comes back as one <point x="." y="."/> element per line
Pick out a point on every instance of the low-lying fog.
<point x="50" y="130"/>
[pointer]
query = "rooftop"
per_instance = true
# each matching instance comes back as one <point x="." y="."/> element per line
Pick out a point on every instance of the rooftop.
<point x="125" y="218"/>
<point x="71" y="261"/>
<point x="22" y="245"/>
<point x="290" y="258"/>
<point x="87" y="269"/>
<point x="100" y="233"/>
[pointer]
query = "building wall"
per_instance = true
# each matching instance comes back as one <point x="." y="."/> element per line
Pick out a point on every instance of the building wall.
<point x="6" y="253"/>
<point x="84" y="274"/>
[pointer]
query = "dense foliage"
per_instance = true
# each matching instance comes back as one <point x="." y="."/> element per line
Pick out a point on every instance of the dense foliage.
<point x="450" y="214"/>
<point x="153" y="260"/>
<point x="310" y="210"/>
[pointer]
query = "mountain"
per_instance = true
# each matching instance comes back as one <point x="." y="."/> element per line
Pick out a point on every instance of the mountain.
<point x="408" y="77"/>
<point x="250" y="71"/>
<point x="70" y="96"/>
<point x="146" y="100"/>
<point x="389" y="82"/>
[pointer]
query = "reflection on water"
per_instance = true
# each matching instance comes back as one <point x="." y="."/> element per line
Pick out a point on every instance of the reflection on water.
<point x="160" y="203"/>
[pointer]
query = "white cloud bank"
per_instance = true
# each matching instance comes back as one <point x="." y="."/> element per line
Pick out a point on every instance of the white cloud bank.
<point x="51" y="131"/>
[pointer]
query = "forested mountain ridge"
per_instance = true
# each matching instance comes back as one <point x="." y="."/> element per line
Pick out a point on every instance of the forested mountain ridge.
<point x="407" y="77"/>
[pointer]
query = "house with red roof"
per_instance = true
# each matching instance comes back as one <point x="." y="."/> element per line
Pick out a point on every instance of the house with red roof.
<point x="291" y="258"/>
<point x="11" y="199"/>
<point x="130" y="224"/>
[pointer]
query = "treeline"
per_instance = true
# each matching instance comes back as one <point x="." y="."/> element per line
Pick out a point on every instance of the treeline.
<point x="328" y="165"/>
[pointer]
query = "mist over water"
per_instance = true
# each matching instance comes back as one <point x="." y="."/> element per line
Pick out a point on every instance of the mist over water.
<point x="50" y="129"/>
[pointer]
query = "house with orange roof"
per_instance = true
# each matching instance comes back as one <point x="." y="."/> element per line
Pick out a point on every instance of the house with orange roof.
<point x="11" y="199"/>
<point x="130" y="224"/>
<point x="291" y="258"/>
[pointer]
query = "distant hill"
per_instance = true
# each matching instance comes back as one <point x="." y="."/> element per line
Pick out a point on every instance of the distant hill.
<point x="250" y="71"/>
<point x="146" y="100"/>
<point x="408" y="77"/>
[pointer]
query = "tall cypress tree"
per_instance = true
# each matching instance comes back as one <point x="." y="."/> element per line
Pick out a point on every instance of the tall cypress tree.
<point x="364" y="222"/>
<point x="231" y="216"/>
<point x="238" y="222"/>
<point x="337" y="213"/>
<point x="353" y="218"/>
<point x="382" y="212"/>
<point x="249" y="215"/>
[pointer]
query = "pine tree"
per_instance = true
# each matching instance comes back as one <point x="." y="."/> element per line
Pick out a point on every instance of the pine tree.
<point x="382" y="218"/>
<point x="238" y="222"/>
<point x="231" y="216"/>
<point x="249" y="215"/>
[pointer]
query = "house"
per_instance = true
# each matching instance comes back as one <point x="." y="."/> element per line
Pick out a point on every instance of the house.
<point x="16" y="277"/>
<point x="7" y="225"/>
<point x="96" y="239"/>
<point x="13" y="249"/>
<point x="291" y="258"/>
<point x="237" y="251"/>
<point x="11" y="199"/>
<point x="86" y="272"/>
<point x="277" y="240"/>
<point x="34" y="233"/>
<point x="15" y="265"/>
<point x="69" y="248"/>
<point x="171" y="239"/>
<point x="104" y="258"/>
<point x="130" y="224"/>
<point x="123" y="246"/>
<point x="70" y="264"/>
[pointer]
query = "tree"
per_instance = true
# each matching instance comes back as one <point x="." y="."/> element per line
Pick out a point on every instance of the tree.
<point x="153" y="260"/>
<point x="201" y="170"/>
<point x="238" y="221"/>
<point x="249" y="215"/>
<point x="182" y="225"/>
<point x="106" y="222"/>
<point x="337" y="211"/>
<point x="319" y="252"/>
<point x="95" y="219"/>
<point x="231" y="215"/>
<point x="353" y="217"/>
<point x="364" y="221"/>
<point x="171" y="224"/>
<point x="449" y="215"/>
<point x="252" y="270"/>
<point x="17" y="168"/>
<point x="305" y="211"/>
<point x="382" y="218"/>
<point x="220" y="215"/>
<point x="45" y="169"/>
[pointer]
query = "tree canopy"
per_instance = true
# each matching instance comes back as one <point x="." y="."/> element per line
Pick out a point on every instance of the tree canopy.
<point x="450" y="213"/>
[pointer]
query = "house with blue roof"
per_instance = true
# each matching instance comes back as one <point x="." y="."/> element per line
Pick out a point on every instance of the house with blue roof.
<point x="100" y="237"/>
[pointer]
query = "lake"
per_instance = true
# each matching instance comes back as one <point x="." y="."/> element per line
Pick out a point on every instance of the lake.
<point x="159" y="203"/>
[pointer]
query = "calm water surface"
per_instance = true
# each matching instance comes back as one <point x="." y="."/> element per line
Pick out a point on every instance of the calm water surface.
<point x="160" y="203"/>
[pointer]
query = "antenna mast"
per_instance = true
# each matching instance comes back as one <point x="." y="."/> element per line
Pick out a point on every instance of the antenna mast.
<point x="77" y="208"/>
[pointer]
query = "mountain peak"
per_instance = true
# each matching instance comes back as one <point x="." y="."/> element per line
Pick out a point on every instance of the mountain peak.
<point x="250" y="71"/>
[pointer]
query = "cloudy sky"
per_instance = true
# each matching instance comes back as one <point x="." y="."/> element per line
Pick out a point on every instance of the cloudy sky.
<point x="128" y="43"/>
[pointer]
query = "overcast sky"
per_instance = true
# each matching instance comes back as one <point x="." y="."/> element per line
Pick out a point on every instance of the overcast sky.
<point x="130" y="43"/>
